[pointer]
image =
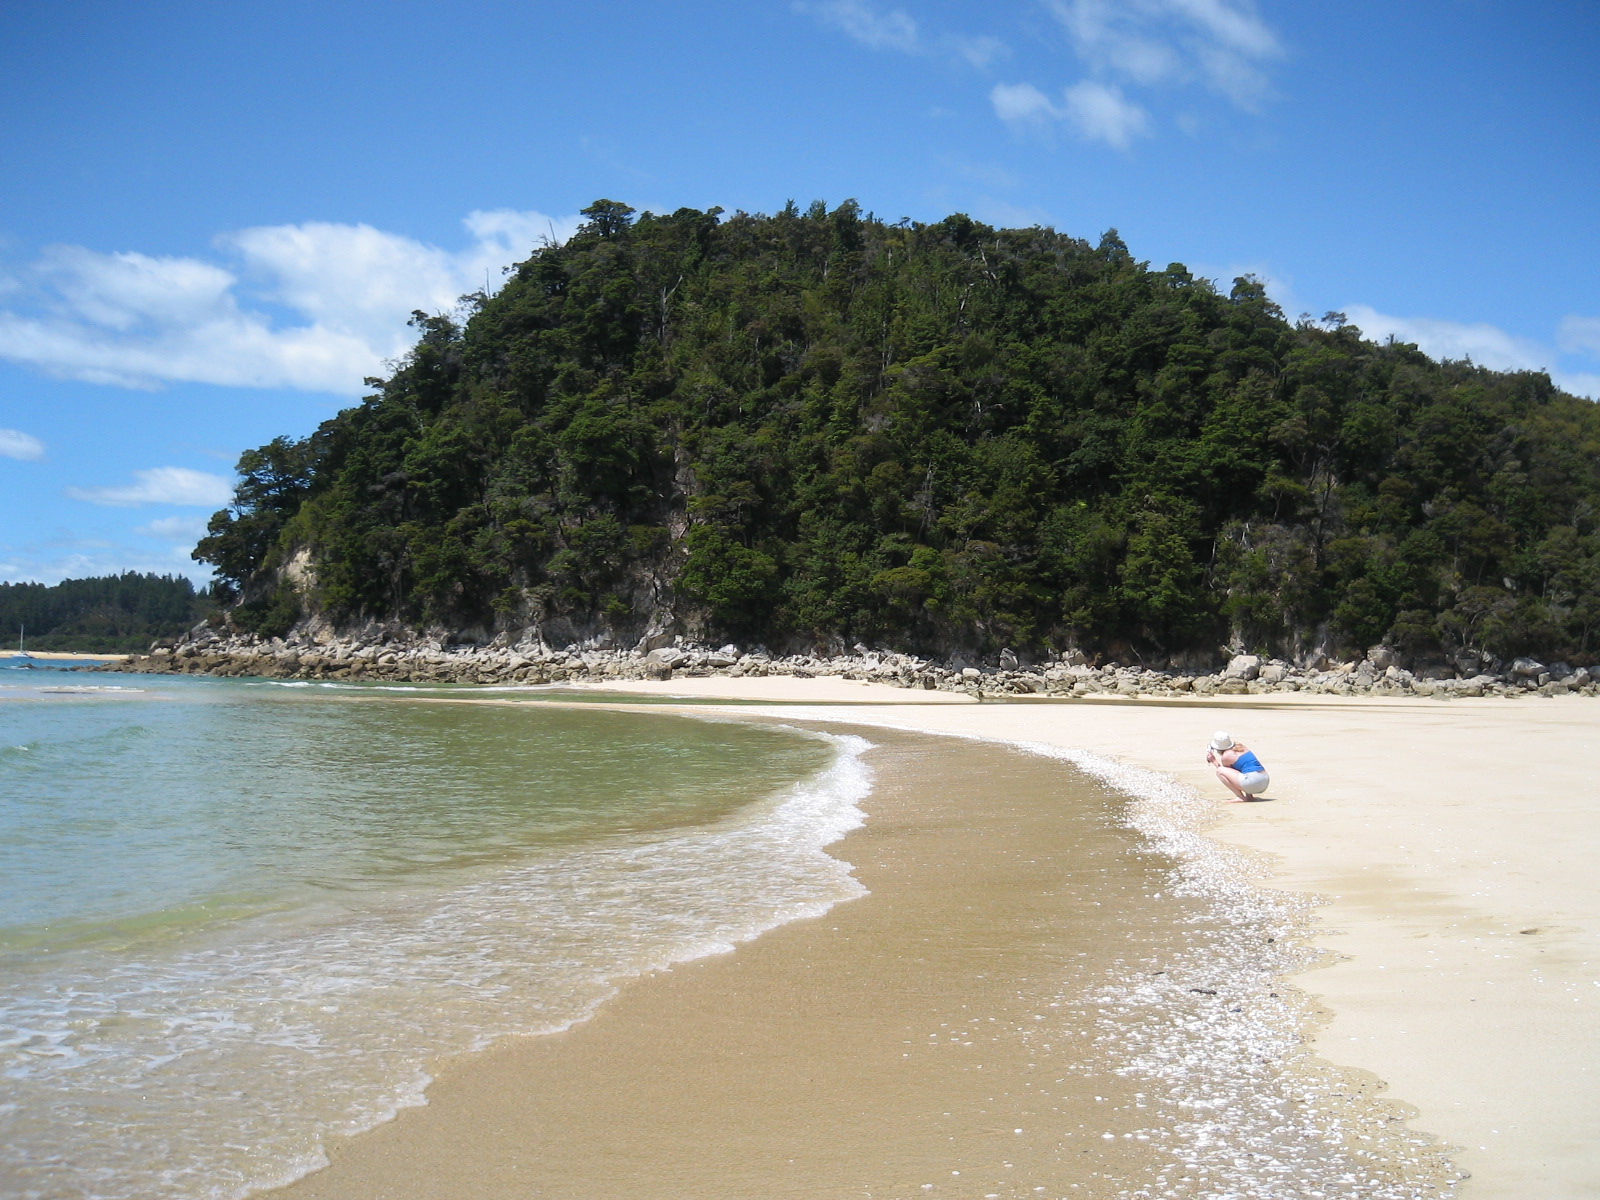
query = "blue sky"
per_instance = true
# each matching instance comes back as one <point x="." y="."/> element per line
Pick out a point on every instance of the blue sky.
<point x="216" y="218"/>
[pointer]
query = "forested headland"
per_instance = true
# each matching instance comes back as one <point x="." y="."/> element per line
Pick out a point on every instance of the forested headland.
<point x="109" y="614"/>
<point x="819" y="428"/>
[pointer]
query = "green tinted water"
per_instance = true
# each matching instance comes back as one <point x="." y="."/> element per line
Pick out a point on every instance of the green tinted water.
<point x="198" y="800"/>
<point x="289" y="901"/>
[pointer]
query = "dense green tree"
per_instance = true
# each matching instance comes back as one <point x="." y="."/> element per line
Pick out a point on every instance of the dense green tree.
<point x="108" y="614"/>
<point x="819" y="427"/>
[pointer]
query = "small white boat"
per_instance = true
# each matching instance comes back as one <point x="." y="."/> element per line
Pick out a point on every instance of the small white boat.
<point x="22" y="649"/>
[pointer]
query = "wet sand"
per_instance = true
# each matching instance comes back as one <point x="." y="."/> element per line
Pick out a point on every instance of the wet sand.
<point x="968" y="1029"/>
<point x="888" y="1045"/>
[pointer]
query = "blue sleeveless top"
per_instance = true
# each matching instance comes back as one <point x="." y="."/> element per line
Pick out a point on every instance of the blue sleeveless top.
<point x="1247" y="763"/>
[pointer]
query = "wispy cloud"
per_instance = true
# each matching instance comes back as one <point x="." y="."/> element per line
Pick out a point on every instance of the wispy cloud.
<point x="896" y="30"/>
<point x="50" y="564"/>
<point x="141" y="321"/>
<point x="1279" y="285"/>
<point x="1223" y="45"/>
<point x="162" y="485"/>
<point x="187" y="530"/>
<point x="1022" y="104"/>
<point x="1580" y="335"/>
<point x="24" y="446"/>
<point x="980" y="52"/>
<point x="1220" y="45"/>
<point x="1485" y="344"/>
<point x="1095" y="111"/>
<point x="873" y="27"/>
<point x="1102" y="113"/>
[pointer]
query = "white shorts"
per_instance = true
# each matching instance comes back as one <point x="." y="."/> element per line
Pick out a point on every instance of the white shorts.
<point x="1254" y="783"/>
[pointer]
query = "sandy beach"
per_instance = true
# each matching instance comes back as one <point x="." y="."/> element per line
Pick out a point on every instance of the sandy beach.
<point x="1449" y="843"/>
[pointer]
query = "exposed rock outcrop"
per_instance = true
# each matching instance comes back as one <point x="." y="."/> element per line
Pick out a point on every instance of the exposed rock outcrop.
<point x="400" y="657"/>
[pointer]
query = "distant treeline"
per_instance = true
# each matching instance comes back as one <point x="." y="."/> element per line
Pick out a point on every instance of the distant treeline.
<point x="819" y="427"/>
<point x="109" y="614"/>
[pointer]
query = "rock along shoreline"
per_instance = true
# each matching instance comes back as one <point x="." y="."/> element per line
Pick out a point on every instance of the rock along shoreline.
<point x="391" y="658"/>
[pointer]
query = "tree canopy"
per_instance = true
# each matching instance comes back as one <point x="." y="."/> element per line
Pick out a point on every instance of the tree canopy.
<point x="109" y="614"/>
<point x="820" y="427"/>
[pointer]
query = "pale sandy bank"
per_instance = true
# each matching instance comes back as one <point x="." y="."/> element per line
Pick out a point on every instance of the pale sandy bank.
<point x="1457" y="845"/>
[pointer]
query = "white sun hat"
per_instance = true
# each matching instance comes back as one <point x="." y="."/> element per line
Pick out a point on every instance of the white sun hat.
<point x="1221" y="740"/>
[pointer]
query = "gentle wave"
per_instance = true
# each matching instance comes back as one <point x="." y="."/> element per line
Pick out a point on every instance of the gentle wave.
<point x="222" y="1070"/>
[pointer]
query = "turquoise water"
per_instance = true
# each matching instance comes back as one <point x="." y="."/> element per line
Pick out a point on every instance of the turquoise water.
<point x="237" y="917"/>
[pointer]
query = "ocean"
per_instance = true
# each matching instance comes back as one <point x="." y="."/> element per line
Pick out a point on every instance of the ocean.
<point x="239" y="918"/>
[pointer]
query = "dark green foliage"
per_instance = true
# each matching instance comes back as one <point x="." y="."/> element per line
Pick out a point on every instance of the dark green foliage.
<point x="111" y="614"/>
<point x="270" y="616"/>
<point x="819" y="427"/>
<point x="240" y="541"/>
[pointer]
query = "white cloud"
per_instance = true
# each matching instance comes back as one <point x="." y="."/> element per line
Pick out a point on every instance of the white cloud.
<point x="1101" y="113"/>
<point x="16" y="444"/>
<point x="1581" y="335"/>
<point x="1579" y="383"/>
<point x="1485" y="344"/>
<point x="980" y="52"/>
<point x="134" y="320"/>
<point x="1004" y="215"/>
<point x="1221" y="44"/>
<point x="1279" y="285"/>
<point x="83" y="560"/>
<point x="188" y="530"/>
<point x="1021" y="103"/>
<point x="1106" y="37"/>
<point x="163" y="485"/>
<point x="121" y="291"/>
<point x="1096" y="111"/>
<point x="872" y="27"/>
<point x="894" y="29"/>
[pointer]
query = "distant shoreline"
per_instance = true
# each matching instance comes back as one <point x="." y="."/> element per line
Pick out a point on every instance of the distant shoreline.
<point x="59" y="655"/>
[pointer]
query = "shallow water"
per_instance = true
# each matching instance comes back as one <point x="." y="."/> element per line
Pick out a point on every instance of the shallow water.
<point x="236" y="918"/>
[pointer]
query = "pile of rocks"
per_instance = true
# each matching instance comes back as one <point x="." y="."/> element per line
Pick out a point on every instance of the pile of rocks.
<point x="418" y="660"/>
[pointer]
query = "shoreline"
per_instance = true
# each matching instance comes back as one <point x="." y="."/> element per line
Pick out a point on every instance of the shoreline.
<point x="1452" y="892"/>
<point x="1455" y="899"/>
<point x="890" y="1046"/>
<point x="67" y="656"/>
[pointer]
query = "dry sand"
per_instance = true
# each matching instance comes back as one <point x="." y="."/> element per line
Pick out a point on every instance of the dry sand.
<point x="1453" y="843"/>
